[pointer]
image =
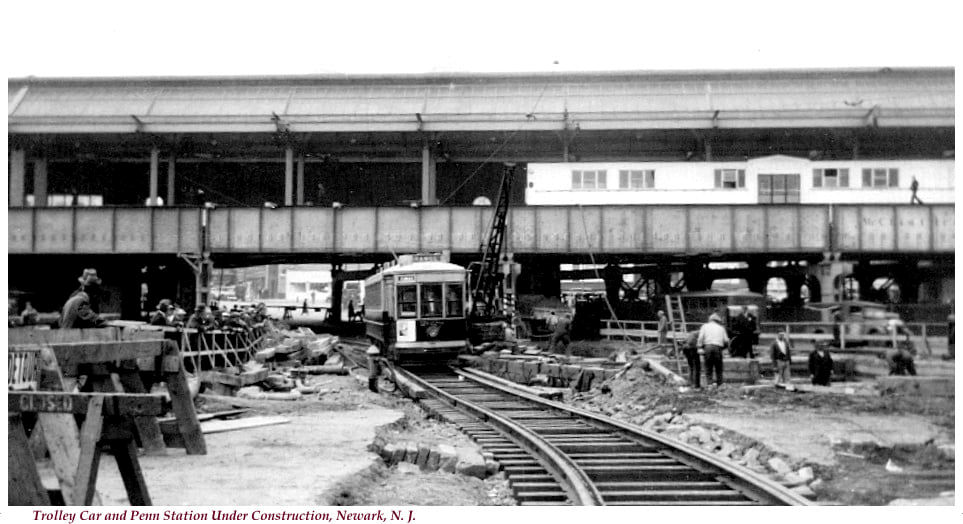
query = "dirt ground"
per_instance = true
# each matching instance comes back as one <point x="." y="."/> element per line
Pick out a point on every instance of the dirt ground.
<point x="816" y="429"/>
<point x="320" y="457"/>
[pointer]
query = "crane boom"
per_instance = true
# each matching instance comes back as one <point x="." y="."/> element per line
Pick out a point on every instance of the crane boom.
<point x="486" y="273"/>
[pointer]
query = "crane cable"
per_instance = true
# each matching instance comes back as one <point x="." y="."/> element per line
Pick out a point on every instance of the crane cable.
<point x="528" y="116"/>
<point x="605" y="296"/>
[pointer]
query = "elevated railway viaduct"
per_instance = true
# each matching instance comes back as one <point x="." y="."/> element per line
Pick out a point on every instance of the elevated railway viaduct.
<point x="114" y="172"/>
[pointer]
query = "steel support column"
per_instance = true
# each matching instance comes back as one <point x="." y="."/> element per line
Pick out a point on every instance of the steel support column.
<point x="18" y="172"/>
<point x="171" y="161"/>
<point x="300" y="181"/>
<point x="429" y="178"/>
<point x="40" y="182"/>
<point x="154" y="174"/>
<point x="288" y="176"/>
<point x="337" y="292"/>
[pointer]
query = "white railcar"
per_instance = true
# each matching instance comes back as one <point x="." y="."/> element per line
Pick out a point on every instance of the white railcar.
<point x="768" y="180"/>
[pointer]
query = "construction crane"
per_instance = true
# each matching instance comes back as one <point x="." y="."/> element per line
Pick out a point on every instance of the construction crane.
<point x="488" y="275"/>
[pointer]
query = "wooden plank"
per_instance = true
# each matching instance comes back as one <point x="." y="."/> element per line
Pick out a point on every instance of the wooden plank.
<point x="115" y="404"/>
<point x="148" y="429"/>
<point x="60" y="432"/>
<point x="183" y="405"/>
<point x="88" y="462"/>
<point x="24" y="487"/>
<point x="237" y="380"/>
<point x="220" y="426"/>
<point x="125" y="453"/>
<point x="75" y="353"/>
<point x="59" y="336"/>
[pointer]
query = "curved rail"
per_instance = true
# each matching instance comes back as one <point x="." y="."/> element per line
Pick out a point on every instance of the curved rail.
<point x="748" y="479"/>
<point x="576" y="482"/>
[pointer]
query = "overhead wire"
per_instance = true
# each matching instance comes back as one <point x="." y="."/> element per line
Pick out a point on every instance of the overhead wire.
<point x="529" y="116"/>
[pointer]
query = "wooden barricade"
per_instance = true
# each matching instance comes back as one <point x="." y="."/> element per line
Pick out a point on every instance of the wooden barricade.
<point x="105" y="364"/>
<point x="107" y="423"/>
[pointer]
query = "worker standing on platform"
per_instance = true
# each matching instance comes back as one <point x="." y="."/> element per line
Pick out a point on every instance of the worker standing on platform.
<point x="713" y="339"/>
<point x="914" y="187"/>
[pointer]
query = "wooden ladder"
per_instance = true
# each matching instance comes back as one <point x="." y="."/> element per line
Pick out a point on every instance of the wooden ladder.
<point x="673" y="308"/>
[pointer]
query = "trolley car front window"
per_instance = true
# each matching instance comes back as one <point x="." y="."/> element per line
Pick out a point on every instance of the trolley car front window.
<point x="407" y="302"/>
<point x="431" y="300"/>
<point x="453" y="300"/>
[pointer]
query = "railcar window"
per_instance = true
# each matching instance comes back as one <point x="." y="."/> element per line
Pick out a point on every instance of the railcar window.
<point x="881" y="177"/>
<point x="453" y="300"/>
<point x="407" y="302"/>
<point x="730" y="178"/>
<point x="636" y="179"/>
<point x="830" y="178"/>
<point x="582" y="179"/>
<point x="431" y="300"/>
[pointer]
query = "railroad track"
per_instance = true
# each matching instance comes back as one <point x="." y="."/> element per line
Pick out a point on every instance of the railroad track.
<point x="553" y="454"/>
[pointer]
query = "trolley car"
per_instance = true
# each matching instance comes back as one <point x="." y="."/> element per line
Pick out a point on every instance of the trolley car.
<point x="415" y="310"/>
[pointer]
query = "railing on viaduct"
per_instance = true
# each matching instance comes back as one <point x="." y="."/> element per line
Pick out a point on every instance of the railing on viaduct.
<point x="533" y="229"/>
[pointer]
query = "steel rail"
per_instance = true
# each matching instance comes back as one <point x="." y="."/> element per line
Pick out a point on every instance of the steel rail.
<point x="576" y="483"/>
<point x="763" y="488"/>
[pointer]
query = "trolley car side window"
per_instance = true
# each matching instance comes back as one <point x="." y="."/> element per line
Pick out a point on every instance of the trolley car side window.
<point x="454" y="300"/>
<point x="431" y="300"/>
<point x="407" y="301"/>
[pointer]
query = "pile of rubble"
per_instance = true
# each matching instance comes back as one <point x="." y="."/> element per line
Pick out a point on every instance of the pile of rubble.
<point x="728" y="445"/>
<point x="436" y="457"/>
<point x="282" y="370"/>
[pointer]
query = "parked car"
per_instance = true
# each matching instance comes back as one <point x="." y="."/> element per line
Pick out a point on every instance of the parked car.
<point x="857" y="319"/>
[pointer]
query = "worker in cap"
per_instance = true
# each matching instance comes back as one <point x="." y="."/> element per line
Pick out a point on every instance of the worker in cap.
<point x="713" y="339"/>
<point x="159" y="316"/>
<point x="374" y="367"/>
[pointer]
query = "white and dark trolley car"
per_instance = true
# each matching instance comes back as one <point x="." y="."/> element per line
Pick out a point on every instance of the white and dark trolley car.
<point x="415" y="310"/>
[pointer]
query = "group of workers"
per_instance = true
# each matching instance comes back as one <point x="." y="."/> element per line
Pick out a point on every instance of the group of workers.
<point x="207" y="318"/>
<point x="80" y="311"/>
<point x="713" y="337"/>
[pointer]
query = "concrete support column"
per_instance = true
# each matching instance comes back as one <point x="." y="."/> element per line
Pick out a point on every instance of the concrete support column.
<point x="40" y="183"/>
<point x="289" y="176"/>
<point x="18" y="172"/>
<point x="707" y="145"/>
<point x="429" y="178"/>
<point x="171" y="161"/>
<point x="300" y="184"/>
<point x="154" y="174"/>
<point x="830" y="275"/>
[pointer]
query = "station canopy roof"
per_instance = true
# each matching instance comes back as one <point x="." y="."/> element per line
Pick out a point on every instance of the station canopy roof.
<point x="462" y="102"/>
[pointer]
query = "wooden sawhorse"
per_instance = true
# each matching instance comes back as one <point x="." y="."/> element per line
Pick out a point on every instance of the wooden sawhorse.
<point x="109" y="422"/>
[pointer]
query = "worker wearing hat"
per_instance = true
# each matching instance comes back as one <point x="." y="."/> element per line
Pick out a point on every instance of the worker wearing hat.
<point x="78" y="311"/>
<point x="159" y="317"/>
<point x="713" y="339"/>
